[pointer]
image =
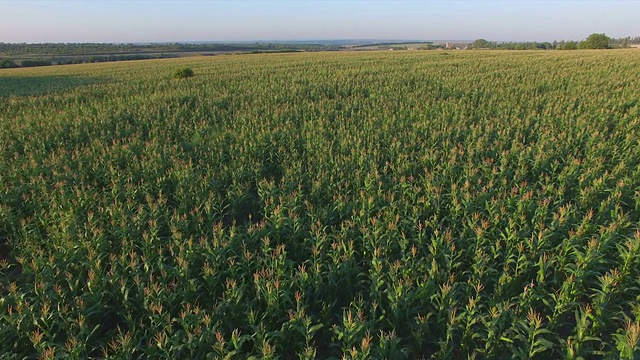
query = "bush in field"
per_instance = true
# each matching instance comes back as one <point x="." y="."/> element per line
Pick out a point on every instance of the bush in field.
<point x="183" y="73"/>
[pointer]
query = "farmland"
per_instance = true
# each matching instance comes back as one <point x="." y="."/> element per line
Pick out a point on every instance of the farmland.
<point x="317" y="205"/>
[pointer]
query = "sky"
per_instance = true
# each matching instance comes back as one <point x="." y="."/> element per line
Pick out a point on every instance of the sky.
<point x="219" y="20"/>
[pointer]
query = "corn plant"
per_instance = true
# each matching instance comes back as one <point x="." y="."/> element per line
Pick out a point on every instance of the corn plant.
<point x="323" y="205"/>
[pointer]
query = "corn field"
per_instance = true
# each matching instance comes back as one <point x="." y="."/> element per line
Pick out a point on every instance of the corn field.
<point x="435" y="205"/>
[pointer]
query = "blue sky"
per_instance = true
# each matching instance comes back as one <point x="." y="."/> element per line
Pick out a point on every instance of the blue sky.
<point x="142" y="21"/>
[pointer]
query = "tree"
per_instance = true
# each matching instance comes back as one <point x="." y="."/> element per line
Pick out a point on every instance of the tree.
<point x="625" y="42"/>
<point x="481" y="44"/>
<point x="546" y="45"/>
<point x="570" y="45"/>
<point x="596" y="41"/>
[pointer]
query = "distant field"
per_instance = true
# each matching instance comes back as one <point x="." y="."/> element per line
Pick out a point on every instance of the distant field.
<point x="28" y="55"/>
<point x="392" y="46"/>
<point x="323" y="205"/>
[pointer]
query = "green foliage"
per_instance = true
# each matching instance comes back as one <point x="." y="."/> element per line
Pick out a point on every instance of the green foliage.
<point x="35" y="62"/>
<point x="183" y="73"/>
<point x="87" y="49"/>
<point x="482" y="44"/>
<point x="596" y="41"/>
<point x="323" y="205"/>
<point x="6" y="63"/>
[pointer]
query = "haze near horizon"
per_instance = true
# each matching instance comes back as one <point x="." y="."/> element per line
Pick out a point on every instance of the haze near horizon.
<point x="178" y="21"/>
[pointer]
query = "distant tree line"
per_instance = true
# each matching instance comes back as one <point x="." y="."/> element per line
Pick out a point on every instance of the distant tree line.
<point x="78" y="53"/>
<point x="35" y="62"/>
<point x="53" y="49"/>
<point x="10" y="63"/>
<point x="57" y="49"/>
<point x="107" y="58"/>
<point x="7" y="64"/>
<point x="594" y="41"/>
